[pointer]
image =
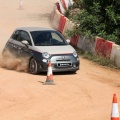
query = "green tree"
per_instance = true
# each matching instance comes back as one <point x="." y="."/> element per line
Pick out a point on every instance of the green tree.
<point x="97" y="18"/>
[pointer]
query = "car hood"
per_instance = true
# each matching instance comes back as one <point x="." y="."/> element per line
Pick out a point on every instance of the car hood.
<point x="55" y="49"/>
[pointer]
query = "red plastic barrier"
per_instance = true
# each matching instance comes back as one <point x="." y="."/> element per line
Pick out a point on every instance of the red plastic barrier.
<point x="103" y="47"/>
<point x="99" y="46"/>
<point x="61" y="23"/>
<point x="74" y="40"/>
<point x="58" y="7"/>
<point x="107" y="49"/>
<point x="64" y="4"/>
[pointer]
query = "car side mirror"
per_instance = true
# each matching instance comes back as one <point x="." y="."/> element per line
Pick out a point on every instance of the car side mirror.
<point x="68" y="41"/>
<point x="25" y="42"/>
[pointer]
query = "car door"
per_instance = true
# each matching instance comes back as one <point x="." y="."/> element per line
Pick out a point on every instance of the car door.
<point x="12" y="43"/>
<point x="22" y="49"/>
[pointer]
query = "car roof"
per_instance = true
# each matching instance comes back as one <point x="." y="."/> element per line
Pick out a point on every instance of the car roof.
<point x="30" y="29"/>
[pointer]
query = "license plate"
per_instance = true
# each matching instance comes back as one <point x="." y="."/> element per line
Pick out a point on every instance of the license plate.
<point x="63" y="64"/>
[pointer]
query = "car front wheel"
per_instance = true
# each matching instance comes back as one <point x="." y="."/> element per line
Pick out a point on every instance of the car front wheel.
<point x="33" y="66"/>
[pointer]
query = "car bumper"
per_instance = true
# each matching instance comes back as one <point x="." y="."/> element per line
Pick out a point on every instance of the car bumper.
<point x="57" y="68"/>
<point x="60" y="63"/>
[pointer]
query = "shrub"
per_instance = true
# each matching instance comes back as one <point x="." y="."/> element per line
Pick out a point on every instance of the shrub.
<point x="96" y="18"/>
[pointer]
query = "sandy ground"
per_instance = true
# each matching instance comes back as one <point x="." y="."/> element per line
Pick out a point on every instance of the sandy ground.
<point x="86" y="95"/>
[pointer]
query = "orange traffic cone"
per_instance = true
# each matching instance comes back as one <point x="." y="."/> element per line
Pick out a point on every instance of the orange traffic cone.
<point x="49" y="79"/>
<point x="21" y="5"/>
<point x="115" y="112"/>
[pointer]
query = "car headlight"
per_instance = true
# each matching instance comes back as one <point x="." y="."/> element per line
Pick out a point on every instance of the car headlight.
<point x="75" y="54"/>
<point x="46" y="55"/>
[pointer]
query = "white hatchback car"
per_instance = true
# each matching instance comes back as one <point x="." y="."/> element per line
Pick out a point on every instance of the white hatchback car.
<point x="41" y="45"/>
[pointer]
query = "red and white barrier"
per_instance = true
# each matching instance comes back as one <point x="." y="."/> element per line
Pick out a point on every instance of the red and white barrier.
<point x="55" y="19"/>
<point x="68" y="26"/>
<point x="108" y="48"/>
<point x="67" y="3"/>
<point x="80" y="43"/>
<point x="70" y="3"/>
<point x="118" y="57"/>
<point x="113" y="52"/>
<point x="62" y="23"/>
<point x="74" y="40"/>
<point x="62" y="9"/>
<point x="99" y="45"/>
<point x="64" y="4"/>
<point x="103" y="47"/>
<point x="86" y="44"/>
<point x="58" y="7"/>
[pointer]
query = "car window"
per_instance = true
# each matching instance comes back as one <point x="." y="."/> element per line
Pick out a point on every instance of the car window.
<point x="15" y="35"/>
<point x="24" y="36"/>
<point x="56" y="36"/>
<point x="47" y="38"/>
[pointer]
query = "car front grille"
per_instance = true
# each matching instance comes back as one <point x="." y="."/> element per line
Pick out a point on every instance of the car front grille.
<point x="63" y="60"/>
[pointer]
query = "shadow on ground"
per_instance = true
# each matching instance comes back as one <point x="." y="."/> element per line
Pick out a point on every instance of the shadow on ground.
<point x="58" y="73"/>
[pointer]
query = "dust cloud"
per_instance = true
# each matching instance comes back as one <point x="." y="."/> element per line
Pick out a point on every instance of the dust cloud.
<point x="9" y="61"/>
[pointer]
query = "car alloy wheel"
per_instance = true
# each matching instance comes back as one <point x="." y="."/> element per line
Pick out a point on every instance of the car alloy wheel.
<point x="33" y="66"/>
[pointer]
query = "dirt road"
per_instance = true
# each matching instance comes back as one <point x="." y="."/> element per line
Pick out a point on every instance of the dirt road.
<point x="86" y="95"/>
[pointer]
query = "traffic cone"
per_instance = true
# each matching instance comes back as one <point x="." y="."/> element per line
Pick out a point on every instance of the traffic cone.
<point x="21" y="5"/>
<point x="49" y="79"/>
<point x="115" y="112"/>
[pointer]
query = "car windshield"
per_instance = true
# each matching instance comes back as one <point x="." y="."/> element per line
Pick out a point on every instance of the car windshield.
<point x="47" y="38"/>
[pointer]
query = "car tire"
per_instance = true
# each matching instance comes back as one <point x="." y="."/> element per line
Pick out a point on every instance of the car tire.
<point x="33" y="66"/>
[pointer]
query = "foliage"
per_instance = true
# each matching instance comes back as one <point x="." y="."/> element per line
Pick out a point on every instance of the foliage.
<point x="97" y="18"/>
